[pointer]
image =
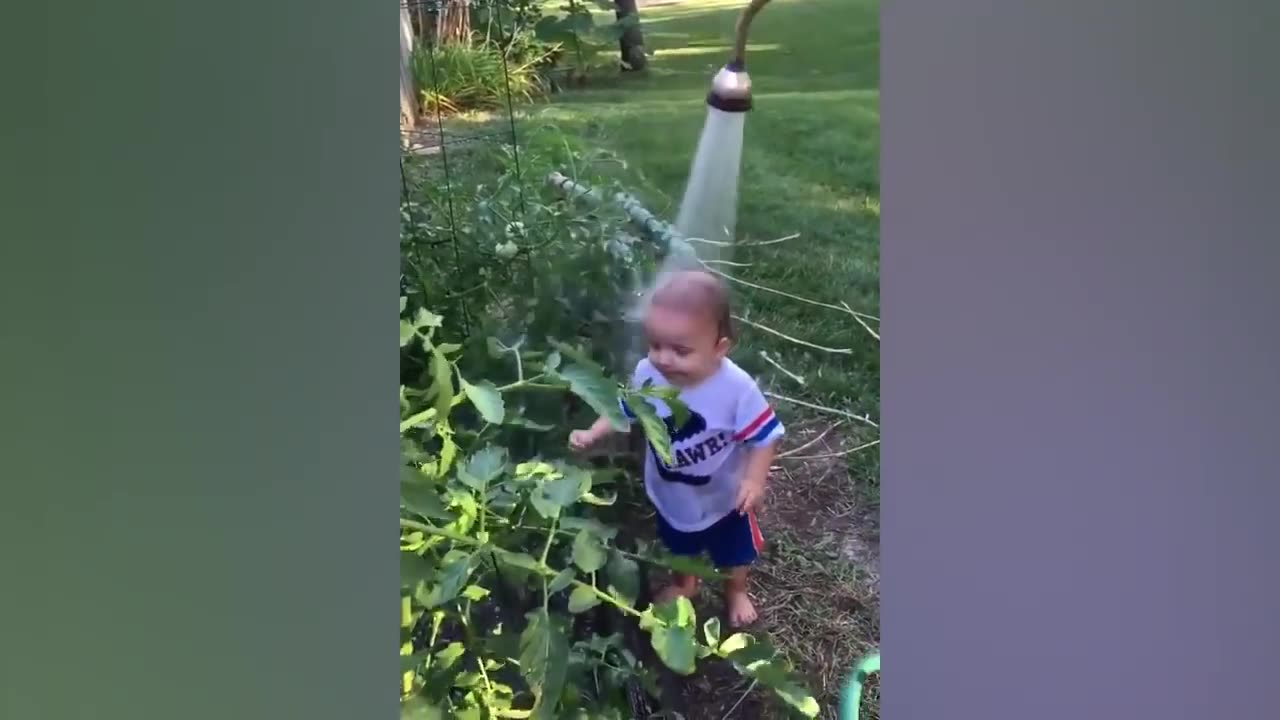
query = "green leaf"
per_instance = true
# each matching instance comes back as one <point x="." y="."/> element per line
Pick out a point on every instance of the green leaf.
<point x="450" y="655"/>
<point x="711" y="630"/>
<point x="770" y="675"/>
<point x="523" y="561"/>
<point x="418" y="419"/>
<point x="799" y="698"/>
<point x="451" y="580"/>
<point x="679" y="411"/>
<point x="676" y="647"/>
<point x="487" y="400"/>
<point x="419" y="708"/>
<point x="483" y="467"/>
<point x="411" y="662"/>
<point x="403" y="302"/>
<point x="590" y="384"/>
<point x="677" y="612"/>
<point x="670" y="395"/>
<point x="597" y="500"/>
<point x="535" y="467"/>
<point x="573" y="353"/>
<point x="582" y="599"/>
<point x="552" y="362"/>
<point x="655" y="431"/>
<point x="420" y="497"/>
<point x="589" y="553"/>
<point x="544" y="661"/>
<point x="407" y="332"/>
<point x="734" y="643"/>
<point x="591" y="525"/>
<point x="624" y="577"/>
<point x="689" y="565"/>
<point x="475" y="593"/>
<point x="441" y="383"/>
<point x="448" y="451"/>
<point x="426" y="319"/>
<point x="562" y="580"/>
<point x="414" y="570"/>
<point x="554" y="495"/>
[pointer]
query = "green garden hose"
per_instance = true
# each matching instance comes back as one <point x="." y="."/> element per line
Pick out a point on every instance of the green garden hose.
<point x="851" y="698"/>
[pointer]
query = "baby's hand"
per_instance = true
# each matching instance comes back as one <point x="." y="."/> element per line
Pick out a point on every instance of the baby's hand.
<point x="750" y="495"/>
<point x="580" y="440"/>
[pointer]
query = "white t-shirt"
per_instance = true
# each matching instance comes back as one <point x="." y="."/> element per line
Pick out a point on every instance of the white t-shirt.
<point x="727" y="415"/>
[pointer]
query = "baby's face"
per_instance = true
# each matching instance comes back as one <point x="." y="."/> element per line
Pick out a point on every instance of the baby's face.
<point x="685" y="347"/>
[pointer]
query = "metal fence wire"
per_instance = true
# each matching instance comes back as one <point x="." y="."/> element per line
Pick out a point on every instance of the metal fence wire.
<point x="426" y="142"/>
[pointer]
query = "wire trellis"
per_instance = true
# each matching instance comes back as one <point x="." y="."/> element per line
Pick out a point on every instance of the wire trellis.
<point x="432" y="141"/>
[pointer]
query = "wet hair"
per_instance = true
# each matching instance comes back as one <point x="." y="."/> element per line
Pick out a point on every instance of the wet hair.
<point x="697" y="291"/>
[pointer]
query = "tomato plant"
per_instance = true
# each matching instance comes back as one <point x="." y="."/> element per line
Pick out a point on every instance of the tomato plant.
<point x="500" y="555"/>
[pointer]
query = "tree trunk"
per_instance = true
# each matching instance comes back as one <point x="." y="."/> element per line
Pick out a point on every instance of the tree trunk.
<point x="631" y="43"/>
<point x="453" y="24"/>
<point x="408" y="90"/>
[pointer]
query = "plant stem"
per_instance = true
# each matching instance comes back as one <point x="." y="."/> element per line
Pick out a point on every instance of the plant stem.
<point x="551" y="535"/>
<point x="545" y="570"/>
<point x="610" y="599"/>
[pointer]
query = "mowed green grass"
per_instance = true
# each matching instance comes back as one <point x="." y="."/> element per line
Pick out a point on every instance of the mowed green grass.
<point x="810" y="166"/>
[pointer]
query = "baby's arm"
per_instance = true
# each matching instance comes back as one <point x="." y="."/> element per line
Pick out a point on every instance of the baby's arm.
<point x="580" y="440"/>
<point x="583" y="439"/>
<point x="760" y="430"/>
<point x="755" y="475"/>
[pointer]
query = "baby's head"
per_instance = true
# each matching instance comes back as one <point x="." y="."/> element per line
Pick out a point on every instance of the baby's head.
<point x="688" y="326"/>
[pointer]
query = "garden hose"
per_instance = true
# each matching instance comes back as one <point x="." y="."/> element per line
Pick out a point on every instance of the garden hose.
<point x="851" y="698"/>
<point x="731" y="87"/>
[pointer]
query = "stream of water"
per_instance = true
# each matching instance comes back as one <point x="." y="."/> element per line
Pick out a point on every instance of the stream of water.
<point x="707" y="214"/>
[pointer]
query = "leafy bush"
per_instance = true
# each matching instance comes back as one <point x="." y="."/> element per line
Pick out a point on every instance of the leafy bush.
<point x="500" y="556"/>
<point x="474" y="75"/>
<point x="507" y="257"/>
<point x="585" y="42"/>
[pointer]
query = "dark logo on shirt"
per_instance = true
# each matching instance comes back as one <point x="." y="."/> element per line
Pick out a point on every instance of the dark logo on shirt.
<point x="683" y="457"/>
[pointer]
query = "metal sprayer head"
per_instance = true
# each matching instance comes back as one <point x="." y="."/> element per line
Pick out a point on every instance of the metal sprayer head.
<point x="731" y="86"/>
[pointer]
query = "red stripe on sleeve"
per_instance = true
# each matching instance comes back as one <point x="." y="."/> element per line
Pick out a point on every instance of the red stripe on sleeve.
<point x="755" y="425"/>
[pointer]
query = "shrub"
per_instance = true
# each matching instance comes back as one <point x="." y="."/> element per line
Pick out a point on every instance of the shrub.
<point x="500" y="555"/>
<point x="505" y="256"/>
<point x="472" y="75"/>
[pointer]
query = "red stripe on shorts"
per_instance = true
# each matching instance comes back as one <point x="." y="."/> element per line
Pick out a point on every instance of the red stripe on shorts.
<point x="757" y="537"/>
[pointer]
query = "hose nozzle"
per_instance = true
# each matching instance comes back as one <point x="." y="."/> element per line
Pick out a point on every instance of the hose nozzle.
<point x="731" y="86"/>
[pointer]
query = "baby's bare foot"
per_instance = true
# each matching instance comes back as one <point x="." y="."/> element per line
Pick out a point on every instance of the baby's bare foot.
<point x="741" y="611"/>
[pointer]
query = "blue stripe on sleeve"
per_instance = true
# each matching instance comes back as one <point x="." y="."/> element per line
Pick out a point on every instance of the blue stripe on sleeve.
<point x="764" y="432"/>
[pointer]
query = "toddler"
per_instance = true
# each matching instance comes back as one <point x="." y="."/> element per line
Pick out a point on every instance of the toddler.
<point x="707" y="497"/>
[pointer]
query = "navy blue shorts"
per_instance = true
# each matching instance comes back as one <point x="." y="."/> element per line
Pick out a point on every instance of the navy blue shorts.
<point x="734" y="541"/>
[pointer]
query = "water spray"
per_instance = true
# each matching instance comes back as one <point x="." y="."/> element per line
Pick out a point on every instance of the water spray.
<point x="704" y="230"/>
<point x="708" y="211"/>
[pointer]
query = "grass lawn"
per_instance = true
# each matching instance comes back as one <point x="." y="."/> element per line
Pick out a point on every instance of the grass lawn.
<point x="810" y="166"/>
